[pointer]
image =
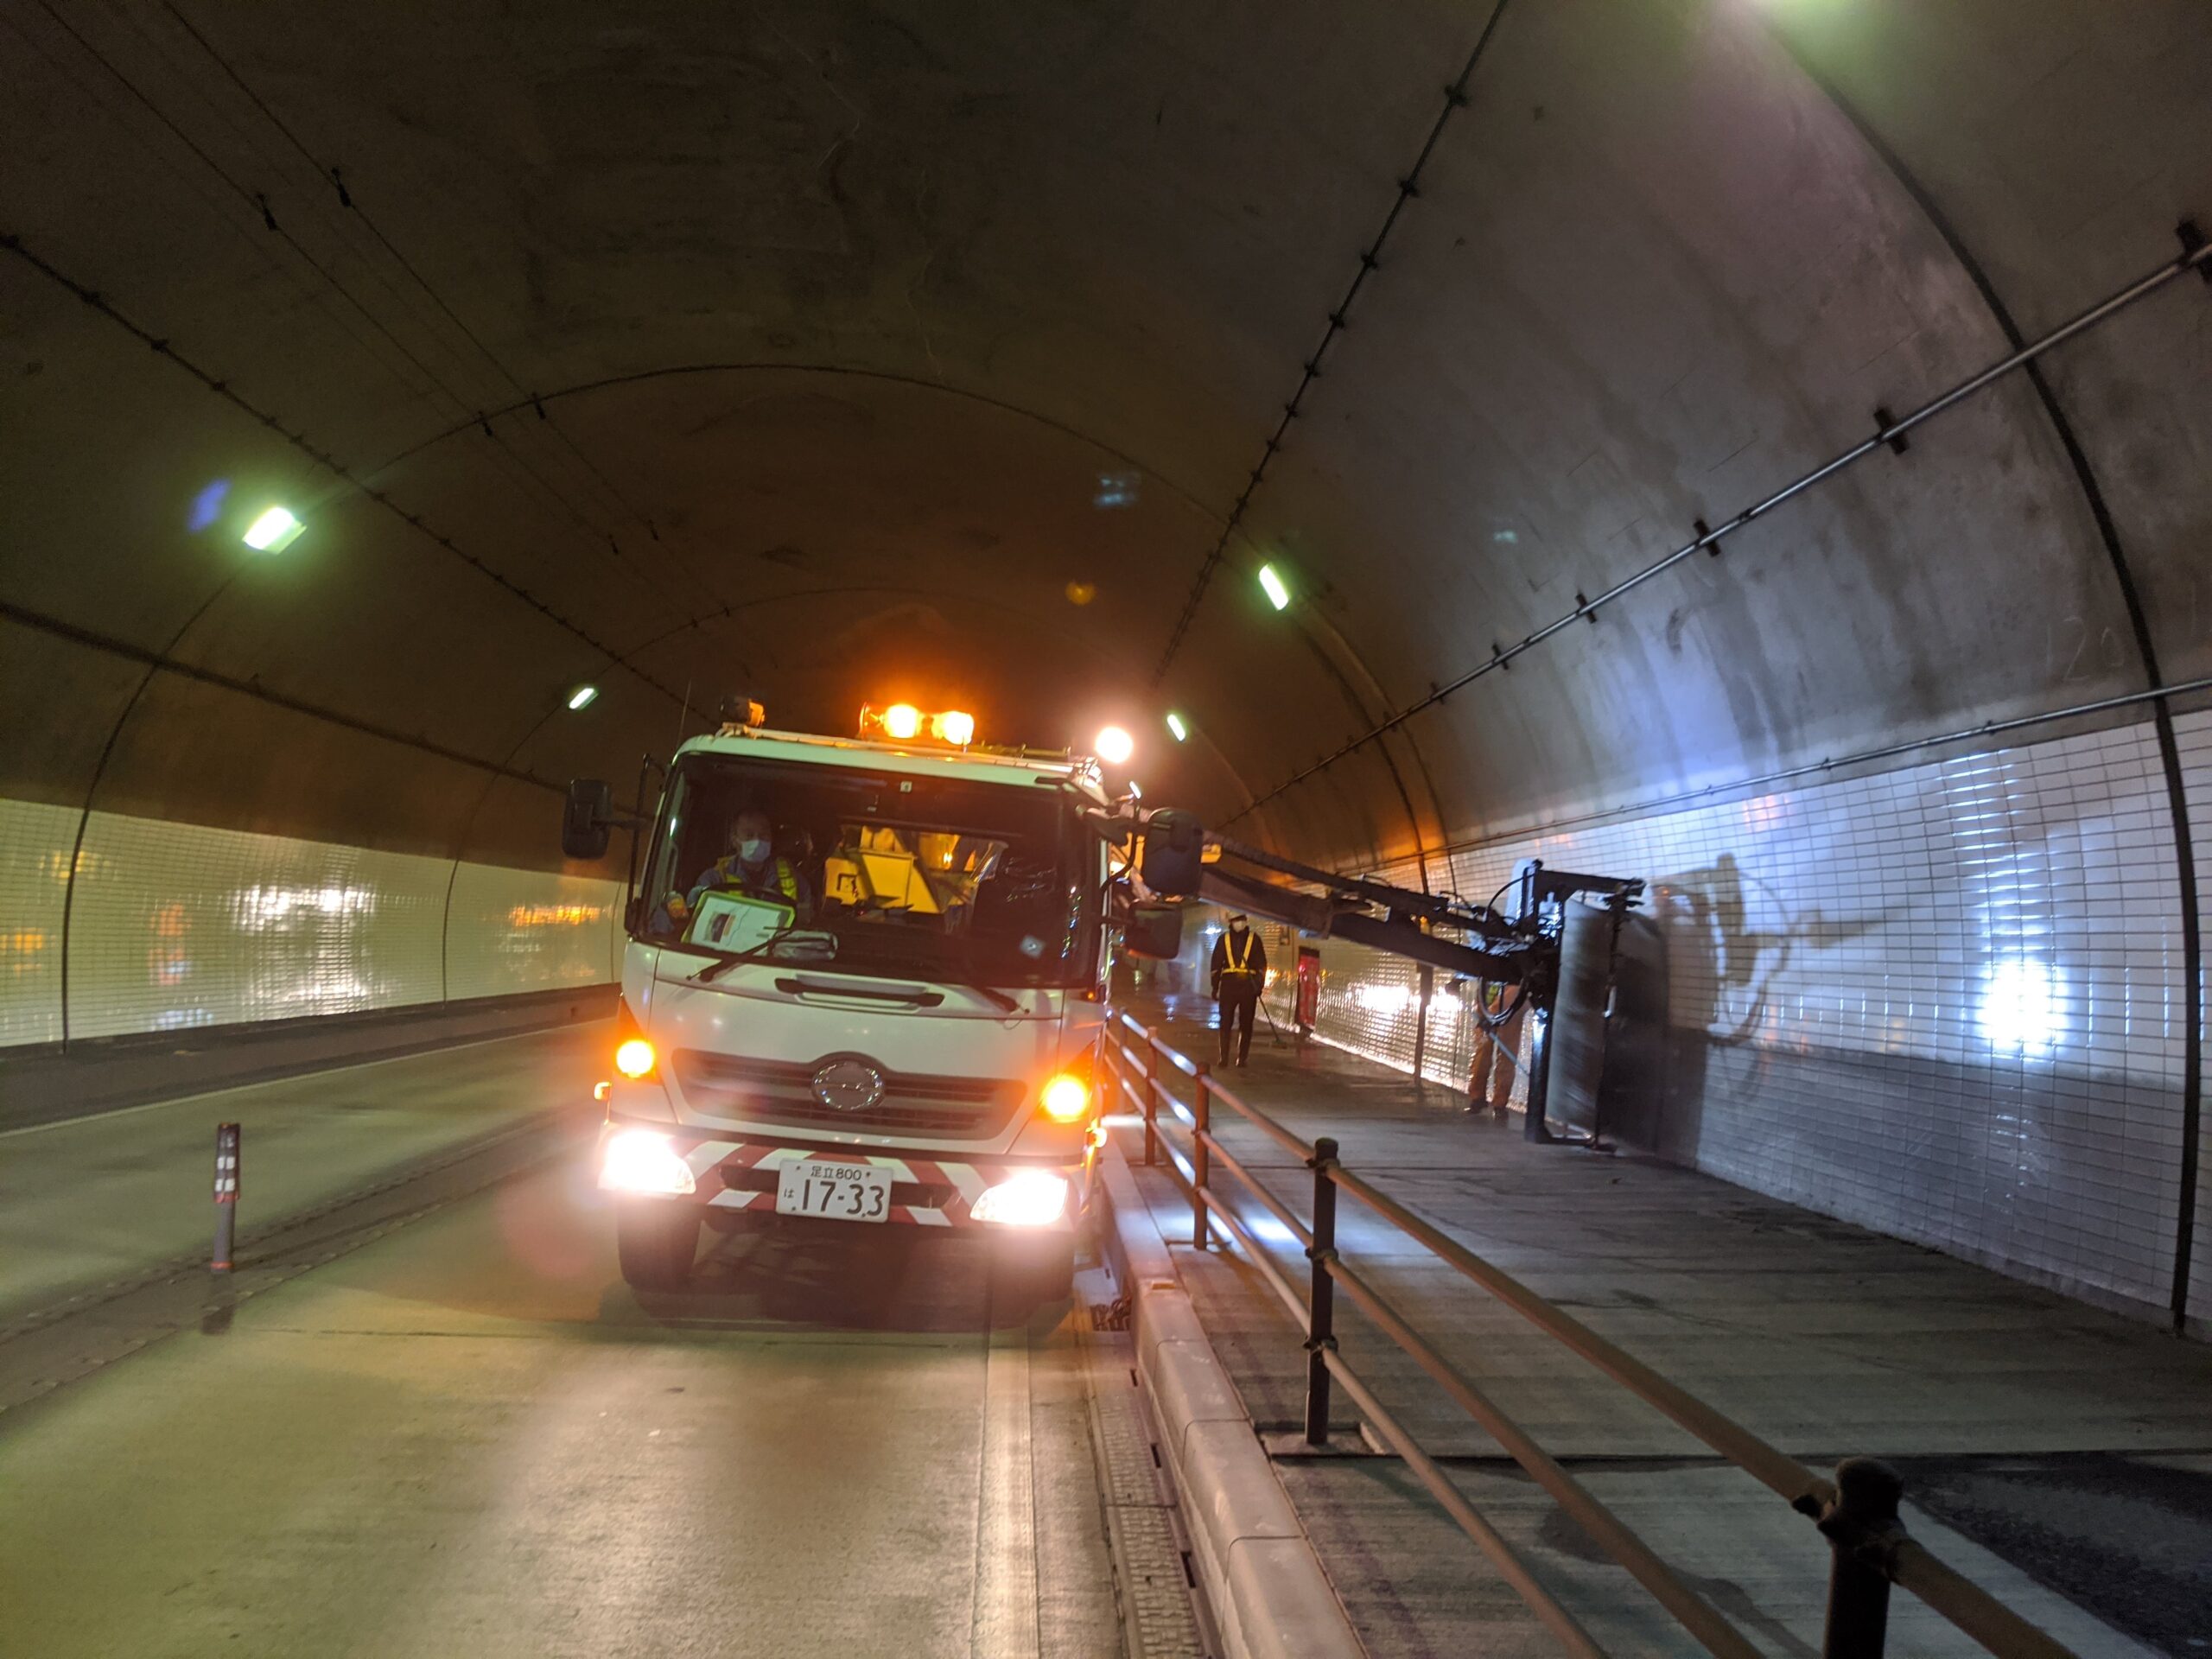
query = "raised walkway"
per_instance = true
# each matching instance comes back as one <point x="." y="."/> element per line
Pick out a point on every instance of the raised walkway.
<point x="2059" y="1454"/>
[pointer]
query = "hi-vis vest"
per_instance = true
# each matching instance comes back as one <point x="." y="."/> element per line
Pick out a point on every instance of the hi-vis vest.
<point x="726" y="874"/>
<point x="1229" y="963"/>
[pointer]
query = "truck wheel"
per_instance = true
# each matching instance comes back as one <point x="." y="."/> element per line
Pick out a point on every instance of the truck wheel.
<point x="655" y="1243"/>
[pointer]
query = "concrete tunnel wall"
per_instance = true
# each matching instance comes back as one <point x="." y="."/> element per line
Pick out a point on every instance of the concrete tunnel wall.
<point x="838" y="350"/>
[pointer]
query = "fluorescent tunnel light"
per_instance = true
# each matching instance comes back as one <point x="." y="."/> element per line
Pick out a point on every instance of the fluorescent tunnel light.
<point x="274" y="531"/>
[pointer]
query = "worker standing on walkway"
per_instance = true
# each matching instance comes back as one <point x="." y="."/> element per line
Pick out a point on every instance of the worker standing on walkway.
<point x="1240" y="973"/>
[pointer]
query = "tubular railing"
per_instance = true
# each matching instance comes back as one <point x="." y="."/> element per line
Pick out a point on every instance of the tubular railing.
<point x="1856" y="1512"/>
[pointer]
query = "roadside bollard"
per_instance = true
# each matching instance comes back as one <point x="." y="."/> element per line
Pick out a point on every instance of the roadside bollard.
<point x="1321" y="1325"/>
<point x="226" y="1194"/>
<point x="1863" y="1528"/>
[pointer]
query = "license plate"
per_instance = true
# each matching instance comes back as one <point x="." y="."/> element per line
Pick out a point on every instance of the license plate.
<point x="835" y="1192"/>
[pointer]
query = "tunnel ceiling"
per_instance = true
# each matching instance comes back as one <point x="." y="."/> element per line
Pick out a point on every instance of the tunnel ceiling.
<point x="840" y="351"/>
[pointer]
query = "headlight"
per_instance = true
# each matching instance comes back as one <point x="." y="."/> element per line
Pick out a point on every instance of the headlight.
<point x="1035" y="1197"/>
<point x="634" y="1059"/>
<point x="1065" y="1099"/>
<point x="642" y="1160"/>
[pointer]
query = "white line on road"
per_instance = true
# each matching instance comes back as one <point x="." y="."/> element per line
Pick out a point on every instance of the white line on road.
<point x="319" y="1071"/>
<point x="1005" y="1625"/>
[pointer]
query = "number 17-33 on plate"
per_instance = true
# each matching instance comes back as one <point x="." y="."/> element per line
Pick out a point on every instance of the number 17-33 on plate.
<point x="833" y="1192"/>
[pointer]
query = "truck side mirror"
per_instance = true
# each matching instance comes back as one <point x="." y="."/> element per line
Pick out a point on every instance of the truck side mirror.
<point x="584" y="819"/>
<point x="1153" y="931"/>
<point x="1173" y="859"/>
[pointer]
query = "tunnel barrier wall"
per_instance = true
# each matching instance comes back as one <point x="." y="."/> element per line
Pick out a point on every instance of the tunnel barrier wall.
<point x="1944" y="1001"/>
<point x="176" y="927"/>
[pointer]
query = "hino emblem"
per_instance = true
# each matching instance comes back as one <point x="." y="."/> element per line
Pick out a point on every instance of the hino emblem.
<point x="849" y="1085"/>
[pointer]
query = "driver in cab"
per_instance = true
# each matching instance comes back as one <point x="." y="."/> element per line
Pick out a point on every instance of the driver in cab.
<point x="751" y="867"/>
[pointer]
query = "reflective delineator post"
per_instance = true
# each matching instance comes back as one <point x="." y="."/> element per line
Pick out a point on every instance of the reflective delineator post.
<point x="226" y="1194"/>
<point x="1320" y="1325"/>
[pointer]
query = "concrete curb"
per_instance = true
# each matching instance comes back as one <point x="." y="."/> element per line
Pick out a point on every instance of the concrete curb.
<point x="1253" y="1559"/>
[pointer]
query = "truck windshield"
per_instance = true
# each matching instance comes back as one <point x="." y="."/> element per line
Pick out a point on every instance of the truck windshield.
<point x="894" y="876"/>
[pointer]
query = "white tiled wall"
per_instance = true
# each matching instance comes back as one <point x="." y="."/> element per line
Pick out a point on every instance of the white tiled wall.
<point x="1944" y="1001"/>
<point x="518" y="930"/>
<point x="35" y="841"/>
<point x="177" y="925"/>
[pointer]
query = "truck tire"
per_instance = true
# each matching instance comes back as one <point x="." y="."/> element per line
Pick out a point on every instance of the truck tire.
<point x="655" y="1243"/>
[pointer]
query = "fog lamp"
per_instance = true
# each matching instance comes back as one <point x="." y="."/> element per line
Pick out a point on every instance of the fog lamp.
<point x="1035" y="1197"/>
<point x="643" y="1161"/>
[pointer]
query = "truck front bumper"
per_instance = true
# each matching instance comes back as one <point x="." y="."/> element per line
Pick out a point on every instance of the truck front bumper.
<point x="731" y="1176"/>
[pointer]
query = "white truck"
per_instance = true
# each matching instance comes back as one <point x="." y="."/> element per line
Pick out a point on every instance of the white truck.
<point x="865" y="983"/>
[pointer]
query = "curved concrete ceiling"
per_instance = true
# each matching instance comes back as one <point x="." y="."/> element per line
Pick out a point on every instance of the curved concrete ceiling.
<point x="840" y="351"/>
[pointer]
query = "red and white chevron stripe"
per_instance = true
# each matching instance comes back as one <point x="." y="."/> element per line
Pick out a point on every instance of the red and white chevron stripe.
<point x="710" y="1159"/>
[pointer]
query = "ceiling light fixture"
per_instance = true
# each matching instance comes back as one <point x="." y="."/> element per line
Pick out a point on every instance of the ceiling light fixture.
<point x="274" y="531"/>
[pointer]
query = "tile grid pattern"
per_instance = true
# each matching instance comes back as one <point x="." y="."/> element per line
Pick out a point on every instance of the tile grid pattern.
<point x="1945" y="1001"/>
<point x="178" y="925"/>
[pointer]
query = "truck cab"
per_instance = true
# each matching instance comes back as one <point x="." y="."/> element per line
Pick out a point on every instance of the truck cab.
<point x="864" y="985"/>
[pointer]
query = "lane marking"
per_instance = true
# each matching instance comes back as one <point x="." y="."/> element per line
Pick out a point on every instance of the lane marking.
<point x="296" y="1076"/>
<point x="1005" y="1625"/>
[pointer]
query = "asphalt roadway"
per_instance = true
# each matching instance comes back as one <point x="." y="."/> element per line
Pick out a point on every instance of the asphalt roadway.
<point x="426" y="1417"/>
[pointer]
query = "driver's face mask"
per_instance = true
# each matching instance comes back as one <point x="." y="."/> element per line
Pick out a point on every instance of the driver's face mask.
<point x="752" y="850"/>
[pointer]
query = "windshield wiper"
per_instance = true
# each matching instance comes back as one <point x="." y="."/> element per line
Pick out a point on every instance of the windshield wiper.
<point x="989" y="993"/>
<point x="725" y="960"/>
<point x="964" y="949"/>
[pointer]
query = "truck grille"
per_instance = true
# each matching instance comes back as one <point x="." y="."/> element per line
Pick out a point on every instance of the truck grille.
<point x="782" y="1091"/>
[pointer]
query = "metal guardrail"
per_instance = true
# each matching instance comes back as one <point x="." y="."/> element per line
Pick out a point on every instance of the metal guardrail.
<point x="1856" y="1512"/>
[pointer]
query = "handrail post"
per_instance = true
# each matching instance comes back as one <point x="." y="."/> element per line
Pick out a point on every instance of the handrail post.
<point x="1321" y="1321"/>
<point x="1202" y="1113"/>
<point x="1863" y="1528"/>
<point x="1151" y="1099"/>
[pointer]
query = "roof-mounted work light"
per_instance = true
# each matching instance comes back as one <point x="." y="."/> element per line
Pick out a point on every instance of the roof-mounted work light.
<point x="902" y="722"/>
<point x="740" y="711"/>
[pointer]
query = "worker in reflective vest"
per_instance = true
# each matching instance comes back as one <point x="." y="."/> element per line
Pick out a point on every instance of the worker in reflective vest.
<point x="752" y="868"/>
<point x="1240" y="973"/>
